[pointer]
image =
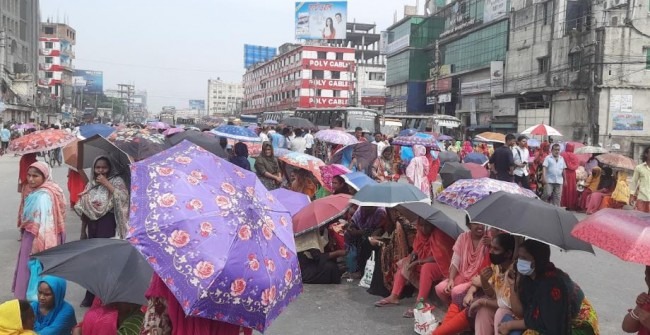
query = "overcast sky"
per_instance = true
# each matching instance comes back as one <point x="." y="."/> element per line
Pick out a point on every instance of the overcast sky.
<point x="171" y="48"/>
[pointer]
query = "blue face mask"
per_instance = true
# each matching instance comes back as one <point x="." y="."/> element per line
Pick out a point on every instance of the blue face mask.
<point x="524" y="267"/>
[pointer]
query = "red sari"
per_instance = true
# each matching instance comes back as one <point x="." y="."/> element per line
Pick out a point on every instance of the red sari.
<point x="76" y="185"/>
<point x="569" y="188"/>
<point x="434" y="167"/>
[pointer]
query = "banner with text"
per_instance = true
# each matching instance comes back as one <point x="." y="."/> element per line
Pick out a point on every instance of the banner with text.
<point x="327" y="84"/>
<point x="306" y="102"/>
<point x="327" y="64"/>
<point x="321" y="20"/>
<point x="496" y="77"/>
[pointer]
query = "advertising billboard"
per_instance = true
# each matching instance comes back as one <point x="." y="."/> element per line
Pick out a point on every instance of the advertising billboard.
<point x="494" y="9"/>
<point x="92" y="82"/>
<point x="324" y="20"/>
<point x="254" y="54"/>
<point x="197" y="104"/>
<point x="496" y="77"/>
<point x="627" y="121"/>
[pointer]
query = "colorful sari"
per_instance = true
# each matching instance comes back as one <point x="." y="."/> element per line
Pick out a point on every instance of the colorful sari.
<point x="382" y="169"/>
<point x="42" y="219"/>
<point x="397" y="248"/>
<point x="540" y="156"/>
<point x="418" y="170"/>
<point x="554" y="304"/>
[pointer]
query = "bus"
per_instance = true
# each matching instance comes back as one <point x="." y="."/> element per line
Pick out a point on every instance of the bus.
<point x="248" y="119"/>
<point x="443" y="124"/>
<point x="276" y="116"/>
<point x="348" y="118"/>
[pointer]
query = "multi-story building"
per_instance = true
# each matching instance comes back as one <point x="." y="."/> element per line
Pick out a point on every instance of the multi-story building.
<point x="56" y="53"/>
<point x="408" y="63"/>
<point x="224" y="98"/>
<point x="370" y="74"/>
<point x="19" y="26"/>
<point x="301" y="76"/>
<point x="584" y="68"/>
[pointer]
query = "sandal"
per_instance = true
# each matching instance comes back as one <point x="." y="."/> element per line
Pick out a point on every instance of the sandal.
<point x="385" y="303"/>
<point x="408" y="314"/>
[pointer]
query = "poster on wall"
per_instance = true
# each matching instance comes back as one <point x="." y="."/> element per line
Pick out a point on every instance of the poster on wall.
<point x="321" y="20"/>
<point x="494" y="9"/>
<point x="496" y="78"/>
<point x="620" y="103"/>
<point x="627" y="121"/>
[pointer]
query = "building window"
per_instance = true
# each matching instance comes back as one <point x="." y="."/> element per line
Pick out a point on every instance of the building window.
<point x="544" y="64"/>
<point x="317" y="74"/>
<point x="339" y="56"/>
<point x="48" y="30"/>
<point x="321" y="55"/>
<point x="647" y="58"/>
<point x="574" y="61"/>
<point x="49" y="75"/>
<point x="376" y="76"/>
<point x="336" y="74"/>
<point x="49" y="45"/>
<point x="319" y="92"/>
<point x="545" y="11"/>
<point x="49" y="60"/>
<point x="337" y="94"/>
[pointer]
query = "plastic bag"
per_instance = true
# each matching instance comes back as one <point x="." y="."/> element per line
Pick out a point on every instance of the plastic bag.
<point x="366" y="280"/>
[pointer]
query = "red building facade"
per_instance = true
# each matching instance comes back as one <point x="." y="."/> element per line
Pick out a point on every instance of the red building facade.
<point x="307" y="76"/>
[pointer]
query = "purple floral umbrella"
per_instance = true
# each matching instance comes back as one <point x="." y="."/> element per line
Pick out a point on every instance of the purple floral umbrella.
<point x="336" y="136"/>
<point x="466" y="192"/>
<point x="218" y="239"/>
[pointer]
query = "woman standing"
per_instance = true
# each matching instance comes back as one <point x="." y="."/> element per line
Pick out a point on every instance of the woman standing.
<point x="267" y="167"/>
<point x="103" y="206"/>
<point x="418" y="170"/>
<point x="383" y="168"/>
<point x="545" y="299"/>
<point x="42" y="221"/>
<point x="538" y="168"/>
<point x="54" y="315"/>
<point x="569" y="187"/>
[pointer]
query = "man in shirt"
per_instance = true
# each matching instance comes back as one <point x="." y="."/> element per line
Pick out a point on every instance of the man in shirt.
<point x="521" y="155"/>
<point x="502" y="162"/>
<point x="298" y="144"/>
<point x="553" y="175"/>
<point x="263" y="136"/>
<point x="380" y="143"/>
<point x="339" y="26"/>
<point x="5" y="135"/>
<point x="358" y="133"/>
<point x="640" y="187"/>
<point x="309" y="142"/>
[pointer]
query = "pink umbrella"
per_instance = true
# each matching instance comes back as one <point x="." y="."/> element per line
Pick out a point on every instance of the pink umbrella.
<point x="172" y="131"/>
<point x="328" y="172"/>
<point x="477" y="170"/>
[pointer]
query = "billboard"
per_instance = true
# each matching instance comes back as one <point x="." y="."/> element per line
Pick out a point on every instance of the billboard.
<point x="496" y="77"/>
<point x="494" y="9"/>
<point x="321" y="20"/>
<point x="197" y="104"/>
<point x="254" y="54"/>
<point x="627" y="121"/>
<point x="92" y="82"/>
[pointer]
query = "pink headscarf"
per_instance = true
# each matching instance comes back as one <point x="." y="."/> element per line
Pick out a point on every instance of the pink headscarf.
<point x="418" y="170"/>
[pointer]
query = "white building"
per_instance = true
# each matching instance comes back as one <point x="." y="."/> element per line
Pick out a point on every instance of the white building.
<point x="224" y="98"/>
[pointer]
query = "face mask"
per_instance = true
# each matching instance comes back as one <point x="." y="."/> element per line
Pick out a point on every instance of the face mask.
<point x="497" y="259"/>
<point x="524" y="267"/>
<point x="434" y="154"/>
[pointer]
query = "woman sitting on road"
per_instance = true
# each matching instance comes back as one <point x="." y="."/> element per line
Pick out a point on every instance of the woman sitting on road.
<point x="316" y="265"/>
<point x="591" y="186"/>
<point x="119" y="318"/>
<point x="547" y="301"/>
<point x="54" y="315"/>
<point x="340" y="186"/>
<point x="42" y="220"/>
<point x="638" y="318"/>
<point x="487" y="309"/>
<point x="268" y="168"/>
<point x="621" y="195"/>
<point x="240" y="158"/>
<point x="365" y="221"/>
<point x="103" y="206"/>
<point x="470" y="256"/>
<point x="16" y="318"/>
<point x="606" y="187"/>
<point x="427" y="264"/>
<point x="383" y="169"/>
<point x="302" y="183"/>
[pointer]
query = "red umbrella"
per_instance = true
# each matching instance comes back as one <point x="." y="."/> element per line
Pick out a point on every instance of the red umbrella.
<point x="477" y="170"/>
<point x="320" y="212"/>
<point x="624" y="233"/>
<point x="42" y="140"/>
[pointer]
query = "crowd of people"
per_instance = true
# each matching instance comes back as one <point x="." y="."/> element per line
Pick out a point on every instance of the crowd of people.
<point x="490" y="281"/>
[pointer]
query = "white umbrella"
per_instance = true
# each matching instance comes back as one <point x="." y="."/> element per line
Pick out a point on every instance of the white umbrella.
<point x="591" y="150"/>
<point x="541" y="129"/>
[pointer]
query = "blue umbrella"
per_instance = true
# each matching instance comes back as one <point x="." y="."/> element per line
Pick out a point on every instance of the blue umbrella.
<point x="91" y="130"/>
<point x="475" y="157"/>
<point x="236" y="133"/>
<point x="293" y="201"/>
<point x="357" y="180"/>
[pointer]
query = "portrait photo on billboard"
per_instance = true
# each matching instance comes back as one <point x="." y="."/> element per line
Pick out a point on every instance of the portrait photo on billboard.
<point x="321" y="20"/>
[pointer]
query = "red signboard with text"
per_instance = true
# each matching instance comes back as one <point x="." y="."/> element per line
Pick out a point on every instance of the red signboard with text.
<point x="328" y="64"/>
<point x="328" y="84"/>
<point x="373" y="101"/>
<point x="306" y="102"/>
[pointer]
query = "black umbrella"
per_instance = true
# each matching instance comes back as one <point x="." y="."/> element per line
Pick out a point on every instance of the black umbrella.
<point x="298" y="122"/>
<point x="434" y="216"/>
<point x="448" y="156"/>
<point x="208" y="142"/>
<point x="452" y="171"/>
<point x="96" y="146"/>
<point x="528" y="217"/>
<point x="111" y="269"/>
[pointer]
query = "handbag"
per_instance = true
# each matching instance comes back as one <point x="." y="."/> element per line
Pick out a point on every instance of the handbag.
<point x="366" y="280"/>
<point x="425" y="321"/>
<point x="35" y="269"/>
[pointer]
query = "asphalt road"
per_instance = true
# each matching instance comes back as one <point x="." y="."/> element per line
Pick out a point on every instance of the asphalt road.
<point x="609" y="283"/>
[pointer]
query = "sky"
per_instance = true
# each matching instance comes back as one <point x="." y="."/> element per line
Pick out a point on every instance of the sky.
<point x="171" y="48"/>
